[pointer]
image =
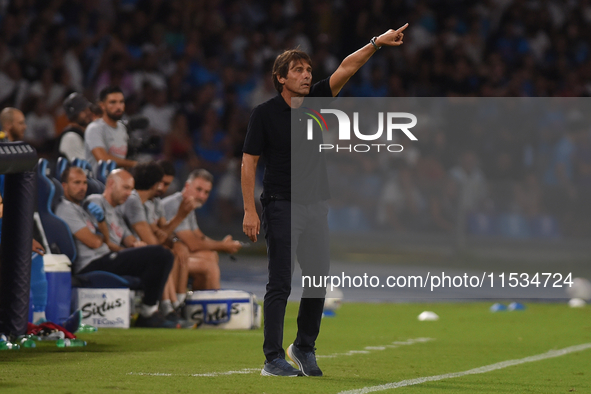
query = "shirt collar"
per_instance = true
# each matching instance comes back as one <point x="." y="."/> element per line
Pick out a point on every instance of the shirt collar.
<point x="281" y="102"/>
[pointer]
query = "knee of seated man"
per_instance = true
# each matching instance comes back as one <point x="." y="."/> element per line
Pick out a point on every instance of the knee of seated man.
<point x="211" y="256"/>
<point x="163" y="256"/>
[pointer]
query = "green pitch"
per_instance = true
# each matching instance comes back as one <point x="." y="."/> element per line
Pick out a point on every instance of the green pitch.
<point x="365" y="345"/>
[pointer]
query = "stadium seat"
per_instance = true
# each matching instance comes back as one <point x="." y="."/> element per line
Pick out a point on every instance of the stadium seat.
<point x="104" y="169"/>
<point x="83" y="164"/>
<point x="57" y="231"/>
<point x="62" y="164"/>
<point x="94" y="186"/>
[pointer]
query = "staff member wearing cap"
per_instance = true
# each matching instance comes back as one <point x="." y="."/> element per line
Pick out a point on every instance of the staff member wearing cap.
<point x="71" y="141"/>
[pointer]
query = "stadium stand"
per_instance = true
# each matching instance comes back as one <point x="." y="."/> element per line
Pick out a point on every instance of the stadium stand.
<point x="172" y="68"/>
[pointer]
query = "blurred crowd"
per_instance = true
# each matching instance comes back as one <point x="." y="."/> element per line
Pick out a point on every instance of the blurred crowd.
<point x="195" y="69"/>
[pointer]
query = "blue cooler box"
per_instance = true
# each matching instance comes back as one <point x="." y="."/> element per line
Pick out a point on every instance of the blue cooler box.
<point x="59" y="287"/>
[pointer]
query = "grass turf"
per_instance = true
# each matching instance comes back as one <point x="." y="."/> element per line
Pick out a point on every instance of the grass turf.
<point x="466" y="336"/>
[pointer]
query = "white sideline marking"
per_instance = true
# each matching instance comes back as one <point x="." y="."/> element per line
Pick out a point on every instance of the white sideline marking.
<point x="486" y="368"/>
<point x="367" y="350"/>
<point x="197" y="375"/>
<point x="394" y="344"/>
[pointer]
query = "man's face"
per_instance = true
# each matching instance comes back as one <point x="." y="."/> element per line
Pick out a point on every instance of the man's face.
<point x="75" y="188"/>
<point x="299" y="78"/>
<point x="122" y="188"/>
<point x="199" y="189"/>
<point x="84" y="117"/>
<point x="114" y="105"/>
<point x="164" y="185"/>
<point x="17" y="129"/>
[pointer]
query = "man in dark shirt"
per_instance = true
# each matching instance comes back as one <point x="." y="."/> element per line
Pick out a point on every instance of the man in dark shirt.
<point x="294" y="218"/>
<point x="71" y="141"/>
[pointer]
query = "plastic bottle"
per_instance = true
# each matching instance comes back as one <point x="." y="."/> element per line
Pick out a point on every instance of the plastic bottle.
<point x="70" y="343"/>
<point x="5" y="344"/>
<point x="86" y="328"/>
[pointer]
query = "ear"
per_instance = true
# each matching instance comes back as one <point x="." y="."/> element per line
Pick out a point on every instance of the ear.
<point x="281" y="79"/>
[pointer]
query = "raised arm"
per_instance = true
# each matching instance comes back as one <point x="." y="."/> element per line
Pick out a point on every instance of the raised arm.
<point x="354" y="61"/>
<point x="251" y="224"/>
<point x="187" y="206"/>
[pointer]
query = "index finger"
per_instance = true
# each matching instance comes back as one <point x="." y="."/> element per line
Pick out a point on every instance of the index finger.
<point x="400" y="29"/>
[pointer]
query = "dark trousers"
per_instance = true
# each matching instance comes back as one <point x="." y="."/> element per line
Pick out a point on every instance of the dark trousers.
<point x="294" y="229"/>
<point x="151" y="264"/>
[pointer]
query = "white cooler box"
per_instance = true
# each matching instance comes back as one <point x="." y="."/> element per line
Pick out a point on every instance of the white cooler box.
<point x="225" y="309"/>
<point x="104" y="308"/>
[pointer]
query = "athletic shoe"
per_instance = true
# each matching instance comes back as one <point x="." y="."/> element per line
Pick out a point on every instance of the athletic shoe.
<point x="181" y="323"/>
<point x="280" y="367"/>
<point x="154" y="321"/>
<point x="305" y="360"/>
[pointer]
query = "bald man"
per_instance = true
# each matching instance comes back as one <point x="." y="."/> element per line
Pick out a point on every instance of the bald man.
<point x="120" y="184"/>
<point x="94" y="229"/>
<point x="13" y="125"/>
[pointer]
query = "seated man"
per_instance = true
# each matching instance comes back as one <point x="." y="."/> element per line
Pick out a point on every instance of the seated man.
<point x="151" y="264"/>
<point x="117" y="190"/>
<point x="203" y="261"/>
<point x="143" y="214"/>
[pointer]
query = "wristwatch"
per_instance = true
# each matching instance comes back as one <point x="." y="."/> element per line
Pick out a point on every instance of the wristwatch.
<point x="373" y="42"/>
<point x="175" y="239"/>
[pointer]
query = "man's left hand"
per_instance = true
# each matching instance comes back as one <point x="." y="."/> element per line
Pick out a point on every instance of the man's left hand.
<point x="392" y="38"/>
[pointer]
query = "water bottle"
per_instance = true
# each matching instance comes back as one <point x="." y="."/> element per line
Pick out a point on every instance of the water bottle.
<point x="86" y="328"/>
<point x="28" y="343"/>
<point x="5" y="344"/>
<point x="70" y="343"/>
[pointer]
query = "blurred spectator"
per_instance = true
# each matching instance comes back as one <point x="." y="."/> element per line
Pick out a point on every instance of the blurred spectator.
<point x="528" y="196"/>
<point x="212" y="143"/>
<point x="71" y="140"/>
<point x="178" y="144"/>
<point x="49" y="89"/>
<point x="473" y="190"/>
<point x="116" y="74"/>
<point x="401" y="205"/>
<point x="13" y="87"/>
<point x="158" y="112"/>
<point x="40" y="126"/>
<point x="443" y="206"/>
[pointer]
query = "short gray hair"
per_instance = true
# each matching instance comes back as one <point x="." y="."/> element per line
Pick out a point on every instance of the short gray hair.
<point x="200" y="173"/>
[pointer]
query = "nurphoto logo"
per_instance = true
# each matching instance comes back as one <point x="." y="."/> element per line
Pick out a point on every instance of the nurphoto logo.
<point x="391" y="119"/>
